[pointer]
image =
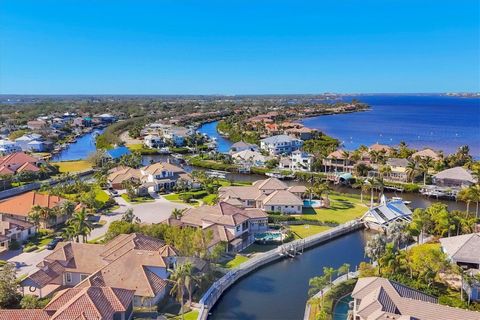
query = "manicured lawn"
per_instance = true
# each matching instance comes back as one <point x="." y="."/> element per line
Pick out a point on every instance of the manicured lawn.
<point x="191" y="315"/>
<point x="306" y="230"/>
<point x="235" y="262"/>
<point x="136" y="200"/>
<point x="135" y="146"/>
<point x="101" y="195"/>
<point x="73" y="166"/>
<point x="256" y="248"/>
<point x="342" y="209"/>
<point x="208" y="200"/>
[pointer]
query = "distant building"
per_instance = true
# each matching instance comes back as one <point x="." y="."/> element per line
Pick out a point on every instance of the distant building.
<point x="379" y="298"/>
<point x="33" y="142"/>
<point x="380" y="147"/>
<point x="250" y="158"/>
<point x="243" y="146"/>
<point x="458" y="177"/>
<point x="338" y="162"/>
<point x="37" y="125"/>
<point x="106" y="118"/>
<point x="153" y="141"/>
<point x="398" y="168"/>
<point x="435" y="156"/>
<point x="281" y="144"/>
<point x="7" y="147"/>
<point x="177" y="135"/>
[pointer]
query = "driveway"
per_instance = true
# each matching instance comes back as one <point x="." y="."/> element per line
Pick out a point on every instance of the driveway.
<point x="26" y="262"/>
<point x="148" y="212"/>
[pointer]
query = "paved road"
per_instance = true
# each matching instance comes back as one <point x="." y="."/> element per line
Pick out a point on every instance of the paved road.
<point x="148" y="212"/>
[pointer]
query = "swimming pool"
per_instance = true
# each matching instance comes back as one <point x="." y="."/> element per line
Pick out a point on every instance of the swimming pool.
<point x="312" y="203"/>
<point x="269" y="236"/>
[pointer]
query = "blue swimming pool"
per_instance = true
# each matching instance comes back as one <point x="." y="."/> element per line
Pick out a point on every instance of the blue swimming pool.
<point x="340" y="311"/>
<point x="312" y="203"/>
<point x="269" y="236"/>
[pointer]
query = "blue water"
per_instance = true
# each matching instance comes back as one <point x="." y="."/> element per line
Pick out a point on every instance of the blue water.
<point x="81" y="149"/>
<point x="211" y="130"/>
<point x="279" y="290"/>
<point x="439" y="122"/>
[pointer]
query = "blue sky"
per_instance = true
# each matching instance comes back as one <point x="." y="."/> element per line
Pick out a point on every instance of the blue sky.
<point x="238" y="47"/>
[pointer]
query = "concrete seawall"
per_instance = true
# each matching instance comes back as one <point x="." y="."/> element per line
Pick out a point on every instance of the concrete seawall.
<point x="212" y="295"/>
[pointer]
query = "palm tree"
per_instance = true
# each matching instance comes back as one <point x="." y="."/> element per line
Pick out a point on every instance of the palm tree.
<point x="411" y="170"/>
<point x="465" y="195"/>
<point x="343" y="269"/>
<point x="35" y="215"/>
<point x="317" y="284"/>
<point x="475" y="194"/>
<point x="375" y="247"/>
<point x="362" y="184"/>
<point x="79" y="226"/>
<point x="178" y="277"/>
<point x="371" y="184"/>
<point x="385" y="170"/>
<point x="177" y="213"/>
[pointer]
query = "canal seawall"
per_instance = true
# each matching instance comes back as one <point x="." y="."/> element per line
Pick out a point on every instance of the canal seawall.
<point x="212" y="295"/>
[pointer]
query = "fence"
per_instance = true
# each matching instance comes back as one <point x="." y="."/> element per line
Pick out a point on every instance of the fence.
<point x="218" y="287"/>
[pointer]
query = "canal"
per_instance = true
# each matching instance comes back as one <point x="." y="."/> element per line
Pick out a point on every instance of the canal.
<point x="80" y="149"/>
<point x="279" y="290"/>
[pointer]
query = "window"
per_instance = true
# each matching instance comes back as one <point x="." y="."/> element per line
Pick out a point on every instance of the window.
<point x="68" y="277"/>
<point x="83" y="277"/>
<point x="237" y="229"/>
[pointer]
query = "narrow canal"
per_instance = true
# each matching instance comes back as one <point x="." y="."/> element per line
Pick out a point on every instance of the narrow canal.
<point x="279" y="290"/>
<point x="80" y="149"/>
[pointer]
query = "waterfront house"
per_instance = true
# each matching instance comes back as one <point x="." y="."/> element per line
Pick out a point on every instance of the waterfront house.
<point x="33" y="142"/>
<point x="302" y="133"/>
<point x="337" y="161"/>
<point x="301" y="161"/>
<point x="457" y="177"/>
<point x="130" y="261"/>
<point x="281" y="144"/>
<point x="398" y="169"/>
<point x="7" y="147"/>
<point x="269" y="195"/>
<point x="249" y="158"/>
<point x="118" y="176"/>
<point x="228" y="223"/>
<point x="37" y="125"/>
<point x="379" y="217"/>
<point x="379" y="298"/>
<point x="106" y="118"/>
<point x="177" y="135"/>
<point x="91" y="303"/>
<point x="153" y="141"/>
<point x="19" y="207"/>
<point x="427" y="153"/>
<point x="243" y="146"/>
<point x="464" y="250"/>
<point x="165" y="176"/>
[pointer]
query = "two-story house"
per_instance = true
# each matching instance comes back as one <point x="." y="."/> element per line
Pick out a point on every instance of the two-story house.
<point x="281" y="144"/>
<point x="228" y="223"/>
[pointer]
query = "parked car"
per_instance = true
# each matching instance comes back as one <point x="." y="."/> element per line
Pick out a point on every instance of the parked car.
<point x="52" y="244"/>
<point x="113" y="192"/>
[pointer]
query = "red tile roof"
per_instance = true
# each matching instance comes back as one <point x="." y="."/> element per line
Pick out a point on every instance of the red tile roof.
<point x="21" y="205"/>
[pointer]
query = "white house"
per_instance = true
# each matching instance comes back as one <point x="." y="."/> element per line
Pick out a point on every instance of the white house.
<point x="16" y="229"/>
<point x="163" y="175"/>
<point x="301" y="161"/>
<point x="7" y="147"/>
<point x="381" y="216"/>
<point x="177" y="135"/>
<point x="250" y="158"/>
<point x="280" y="144"/>
<point x="153" y="141"/>
<point x="242" y="146"/>
<point x="32" y="142"/>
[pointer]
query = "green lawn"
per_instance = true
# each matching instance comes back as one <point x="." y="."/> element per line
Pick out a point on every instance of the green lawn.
<point x="306" y="230"/>
<point x="209" y="199"/>
<point x="235" y="262"/>
<point x="73" y="166"/>
<point x="101" y="195"/>
<point x="191" y="315"/>
<point x="135" y="146"/>
<point x="342" y="209"/>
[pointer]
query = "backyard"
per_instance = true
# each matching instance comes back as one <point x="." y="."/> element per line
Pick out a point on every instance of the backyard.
<point x="342" y="208"/>
<point x="306" y="230"/>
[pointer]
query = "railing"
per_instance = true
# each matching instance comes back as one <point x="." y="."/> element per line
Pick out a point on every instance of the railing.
<point x="218" y="287"/>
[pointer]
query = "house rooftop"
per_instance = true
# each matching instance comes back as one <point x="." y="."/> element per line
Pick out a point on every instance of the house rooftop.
<point x="278" y="139"/>
<point x="464" y="248"/>
<point x="21" y="205"/>
<point x="457" y="173"/>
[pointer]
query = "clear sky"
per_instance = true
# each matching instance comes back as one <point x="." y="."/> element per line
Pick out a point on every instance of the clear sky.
<point x="238" y="47"/>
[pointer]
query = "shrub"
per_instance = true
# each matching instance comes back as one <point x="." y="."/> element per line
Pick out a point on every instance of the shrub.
<point x="30" y="248"/>
<point x="14" y="245"/>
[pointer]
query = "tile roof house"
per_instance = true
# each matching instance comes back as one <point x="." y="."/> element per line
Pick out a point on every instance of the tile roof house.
<point x="250" y="158"/>
<point x="19" y="207"/>
<point x="14" y="229"/>
<point x="19" y="162"/>
<point x="427" y="153"/>
<point x="454" y="177"/>
<point x="381" y="299"/>
<point x="242" y="146"/>
<point x="130" y="261"/>
<point x="119" y="175"/>
<point x="380" y="147"/>
<point x="338" y="162"/>
<point x="280" y="144"/>
<point x="269" y="195"/>
<point x="228" y="223"/>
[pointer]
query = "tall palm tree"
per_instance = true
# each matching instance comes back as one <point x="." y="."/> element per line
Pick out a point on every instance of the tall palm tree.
<point x="371" y="184"/>
<point x="465" y="195"/>
<point x="475" y="194"/>
<point x="79" y="225"/>
<point x="178" y="277"/>
<point x="411" y="170"/>
<point x="35" y="215"/>
<point x="362" y="185"/>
